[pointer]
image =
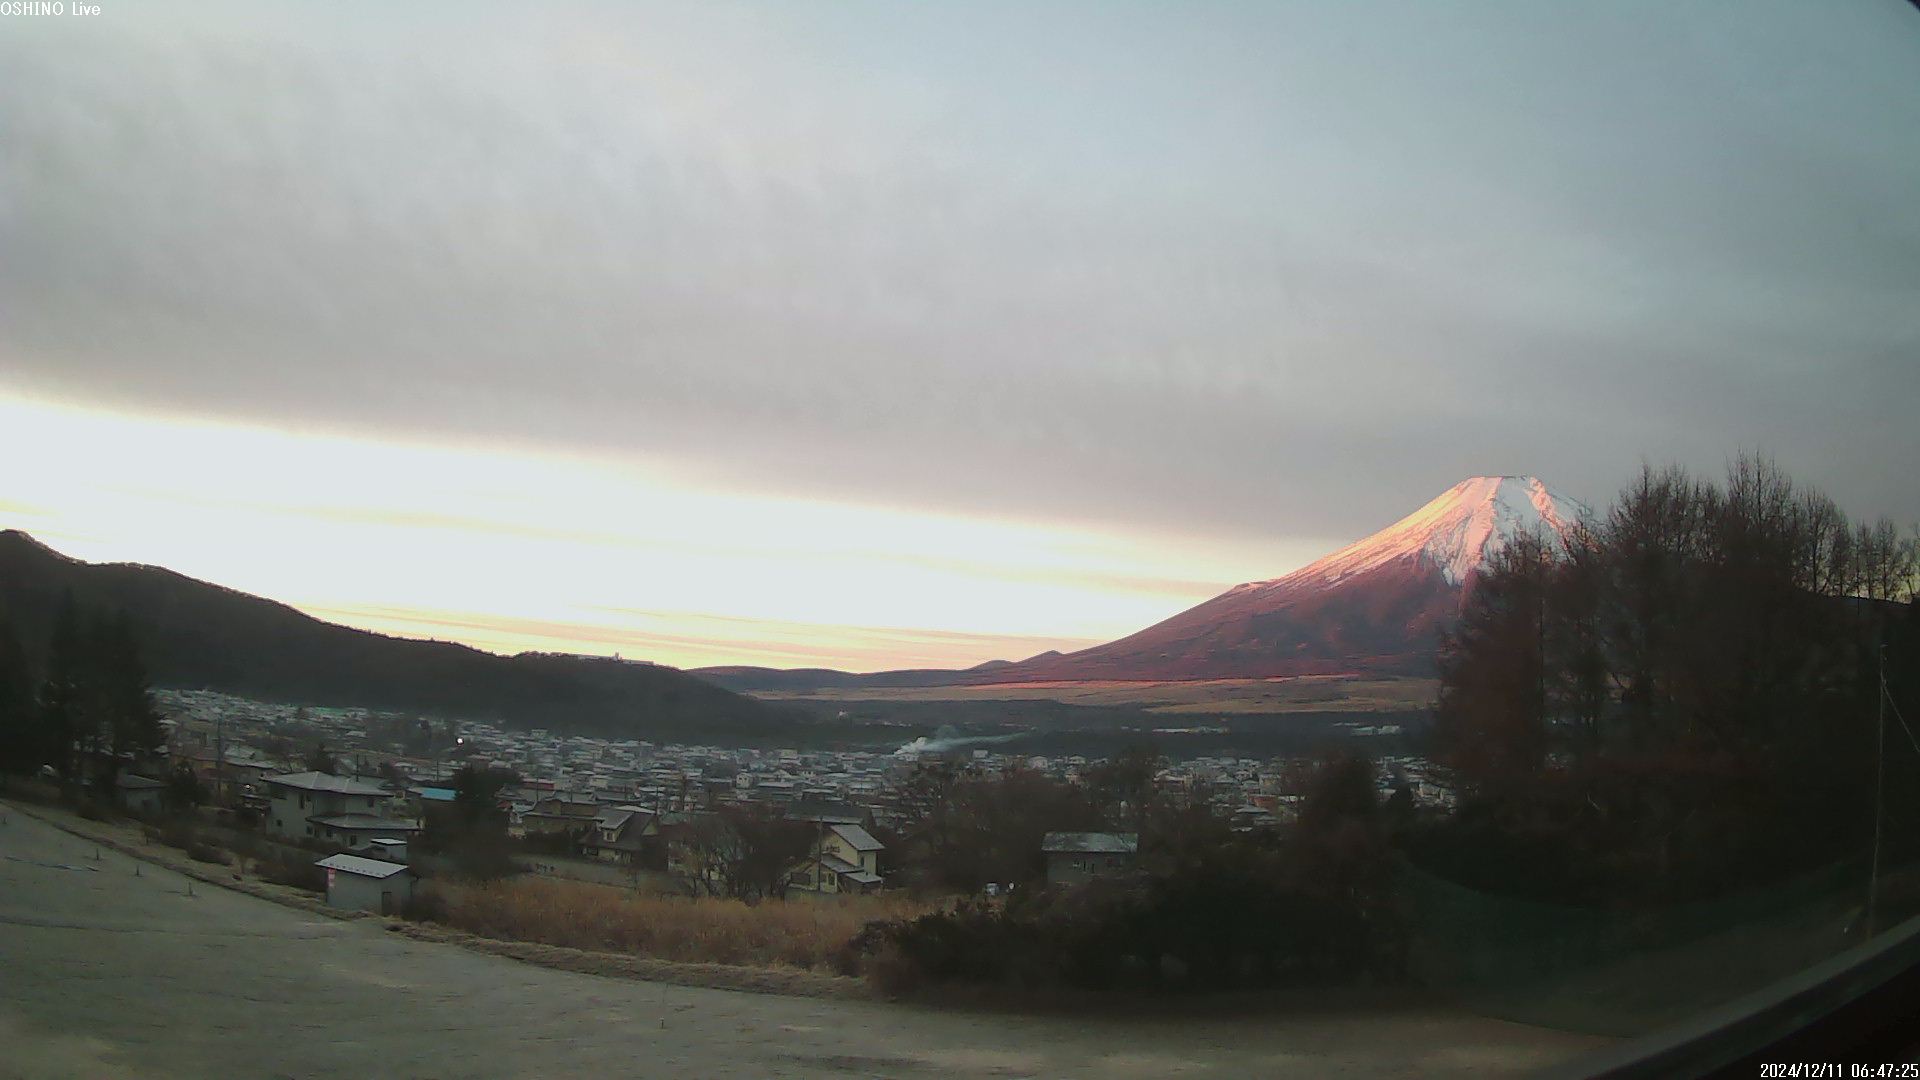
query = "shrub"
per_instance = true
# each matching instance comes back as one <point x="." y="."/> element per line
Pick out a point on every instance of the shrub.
<point x="1234" y="917"/>
<point x="206" y="853"/>
<point x="295" y="872"/>
<point x="178" y="835"/>
<point x="425" y="905"/>
<point x="480" y="857"/>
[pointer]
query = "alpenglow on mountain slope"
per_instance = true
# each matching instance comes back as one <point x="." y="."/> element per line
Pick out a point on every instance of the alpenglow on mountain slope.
<point x="1377" y="605"/>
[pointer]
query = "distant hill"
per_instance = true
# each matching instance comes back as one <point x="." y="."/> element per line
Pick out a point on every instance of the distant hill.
<point x="750" y="679"/>
<point x="195" y="635"/>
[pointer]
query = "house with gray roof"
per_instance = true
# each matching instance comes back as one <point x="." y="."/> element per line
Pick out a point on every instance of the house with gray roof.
<point x="621" y="835"/>
<point x="845" y="859"/>
<point x="355" y="831"/>
<point x="1077" y="857"/>
<point x="314" y="806"/>
<point x="566" y="817"/>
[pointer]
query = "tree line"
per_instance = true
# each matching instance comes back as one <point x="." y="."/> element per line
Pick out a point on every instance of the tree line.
<point x="1204" y="907"/>
<point x="87" y="709"/>
<point x="1680" y="697"/>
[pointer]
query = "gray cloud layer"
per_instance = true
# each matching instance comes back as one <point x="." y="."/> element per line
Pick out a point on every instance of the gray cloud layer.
<point x="1282" y="270"/>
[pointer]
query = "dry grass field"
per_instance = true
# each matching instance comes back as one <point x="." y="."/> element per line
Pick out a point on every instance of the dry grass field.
<point x="807" y="933"/>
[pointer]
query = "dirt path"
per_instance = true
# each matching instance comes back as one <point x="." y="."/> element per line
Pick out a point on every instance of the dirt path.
<point x="105" y="973"/>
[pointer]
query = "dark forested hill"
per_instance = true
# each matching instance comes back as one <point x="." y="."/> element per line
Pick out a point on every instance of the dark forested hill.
<point x="200" y="636"/>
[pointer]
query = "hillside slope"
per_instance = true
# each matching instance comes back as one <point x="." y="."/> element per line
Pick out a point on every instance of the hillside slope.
<point x="1377" y="605"/>
<point x="197" y="635"/>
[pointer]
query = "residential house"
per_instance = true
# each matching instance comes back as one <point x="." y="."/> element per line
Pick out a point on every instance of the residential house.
<point x="517" y="811"/>
<point x="314" y="806"/>
<point x="420" y="797"/>
<point x="845" y="859"/>
<point x="560" y="819"/>
<point x="228" y="775"/>
<point x="831" y="812"/>
<point x="626" y="835"/>
<point x="1073" y="858"/>
<point x="1252" y="817"/>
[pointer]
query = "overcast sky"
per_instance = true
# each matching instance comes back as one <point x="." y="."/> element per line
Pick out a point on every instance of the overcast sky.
<point x="1078" y="312"/>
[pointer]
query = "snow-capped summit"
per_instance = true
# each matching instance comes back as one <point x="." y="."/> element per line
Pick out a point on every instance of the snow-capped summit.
<point x="1376" y="604"/>
<point x="1457" y="531"/>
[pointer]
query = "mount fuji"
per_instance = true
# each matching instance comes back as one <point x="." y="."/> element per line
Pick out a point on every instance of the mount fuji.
<point x="1377" y="605"/>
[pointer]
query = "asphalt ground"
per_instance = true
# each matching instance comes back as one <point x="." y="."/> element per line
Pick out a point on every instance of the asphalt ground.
<point x="105" y="972"/>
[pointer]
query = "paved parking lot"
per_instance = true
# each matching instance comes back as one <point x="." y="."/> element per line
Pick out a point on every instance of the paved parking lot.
<point x="107" y="974"/>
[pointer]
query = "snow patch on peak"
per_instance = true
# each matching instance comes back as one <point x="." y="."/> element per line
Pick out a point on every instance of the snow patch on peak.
<point x="1487" y="512"/>
<point x="1457" y="531"/>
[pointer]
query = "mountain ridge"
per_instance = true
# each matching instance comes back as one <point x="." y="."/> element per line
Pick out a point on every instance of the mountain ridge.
<point x="200" y="635"/>
<point x="1376" y="605"/>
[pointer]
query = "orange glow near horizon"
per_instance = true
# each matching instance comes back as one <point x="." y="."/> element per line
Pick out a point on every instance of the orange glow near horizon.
<point x="511" y="551"/>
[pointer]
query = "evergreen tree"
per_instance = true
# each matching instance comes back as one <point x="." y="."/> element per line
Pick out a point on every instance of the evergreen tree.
<point x="112" y="712"/>
<point x="184" y="789"/>
<point x="320" y="761"/>
<point x="21" y="747"/>
<point x="61" y="691"/>
<point x="95" y="706"/>
<point x="133" y="723"/>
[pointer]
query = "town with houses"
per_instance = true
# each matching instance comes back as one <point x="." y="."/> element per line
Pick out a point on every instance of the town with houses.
<point x="608" y="809"/>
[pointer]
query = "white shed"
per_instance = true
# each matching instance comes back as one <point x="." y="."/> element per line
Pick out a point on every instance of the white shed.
<point x="367" y="884"/>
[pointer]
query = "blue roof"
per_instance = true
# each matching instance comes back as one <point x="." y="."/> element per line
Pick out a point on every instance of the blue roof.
<point x="437" y="794"/>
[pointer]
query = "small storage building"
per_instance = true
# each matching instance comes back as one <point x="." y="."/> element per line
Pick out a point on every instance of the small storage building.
<point x="359" y="884"/>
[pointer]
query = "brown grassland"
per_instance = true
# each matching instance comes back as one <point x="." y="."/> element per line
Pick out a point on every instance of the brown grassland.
<point x="806" y="933"/>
